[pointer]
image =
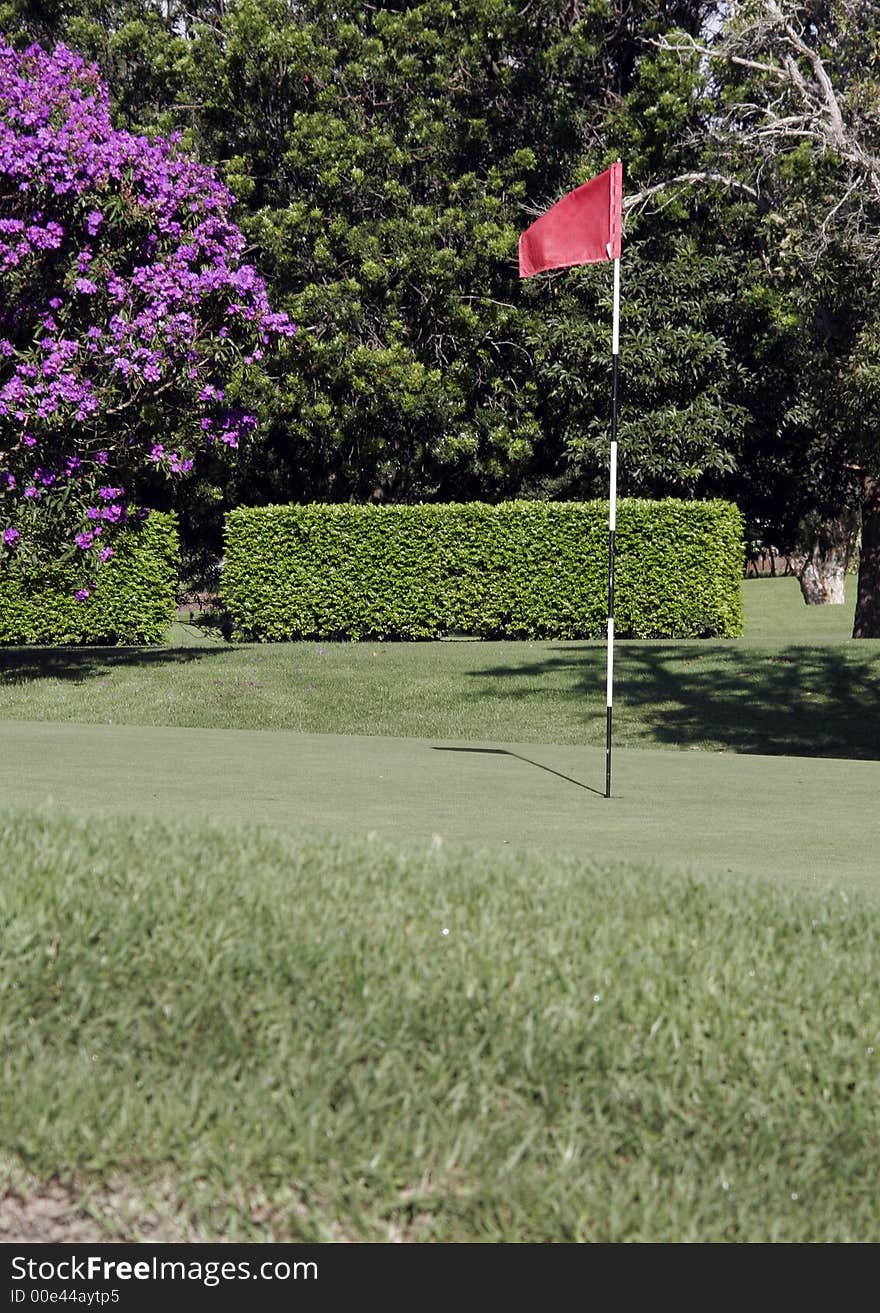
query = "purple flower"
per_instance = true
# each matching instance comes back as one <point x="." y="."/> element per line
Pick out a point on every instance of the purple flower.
<point x="63" y="166"/>
<point x="10" y="536"/>
<point x="84" y="541"/>
<point x="105" y="553"/>
<point x="81" y="594"/>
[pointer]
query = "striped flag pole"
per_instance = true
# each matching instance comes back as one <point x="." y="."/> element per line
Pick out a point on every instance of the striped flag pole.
<point x="584" y="227"/>
<point x="612" y="522"/>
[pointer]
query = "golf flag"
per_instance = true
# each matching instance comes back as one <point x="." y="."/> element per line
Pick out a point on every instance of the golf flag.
<point x="583" y="228"/>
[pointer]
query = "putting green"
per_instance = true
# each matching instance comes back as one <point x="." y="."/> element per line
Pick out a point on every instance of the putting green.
<point x="812" y="821"/>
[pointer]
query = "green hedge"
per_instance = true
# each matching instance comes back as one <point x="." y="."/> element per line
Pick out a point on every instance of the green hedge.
<point x="133" y="601"/>
<point x="524" y="569"/>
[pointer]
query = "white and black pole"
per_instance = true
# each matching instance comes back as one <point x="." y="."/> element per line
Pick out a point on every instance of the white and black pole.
<point x="612" y="521"/>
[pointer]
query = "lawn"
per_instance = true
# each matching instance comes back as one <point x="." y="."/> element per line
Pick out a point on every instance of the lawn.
<point x="495" y="744"/>
<point x="810" y="822"/>
<point x="211" y="1032"/>
<point x="397" y="970"/>
<point x="774" y="692"/>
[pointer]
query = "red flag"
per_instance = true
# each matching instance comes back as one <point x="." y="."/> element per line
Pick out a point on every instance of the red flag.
<point x="582" y="228"/>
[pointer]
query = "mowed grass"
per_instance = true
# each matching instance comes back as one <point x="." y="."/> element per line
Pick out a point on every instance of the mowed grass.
<point x="263" y="1037"/>
<point x="810" y="822"/>
<point x="794" y="686"/>
<point x="227" y="1032"/>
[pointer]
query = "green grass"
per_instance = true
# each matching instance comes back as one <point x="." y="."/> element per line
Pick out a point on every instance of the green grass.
<point x="806" y="822"/>
<point x="776" y="613"/>
<point x="262" y="1032"/>
<point x="278" y="1039"/>
<point x="774" y="692"/>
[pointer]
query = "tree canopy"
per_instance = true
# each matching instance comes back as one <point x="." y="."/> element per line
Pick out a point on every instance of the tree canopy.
<point x="128" y="318"/>
<point x="793" y="89"/>
<point x="384" y="159"/>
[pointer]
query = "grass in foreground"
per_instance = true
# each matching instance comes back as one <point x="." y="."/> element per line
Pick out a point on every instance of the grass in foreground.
<point x="794" y="686"/>
<point x="296" y="1040"/>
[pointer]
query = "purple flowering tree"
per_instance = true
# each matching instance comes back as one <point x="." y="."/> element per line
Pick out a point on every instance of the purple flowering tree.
<point x="128" y="316"/>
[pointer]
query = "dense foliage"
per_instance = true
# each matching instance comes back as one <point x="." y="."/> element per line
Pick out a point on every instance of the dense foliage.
<point x="384" y="159"/>
<point x="792" y="108"/>
<point x="128" y="315"/>
<point x="132" y="602"/>
<point x="513" y="570"/>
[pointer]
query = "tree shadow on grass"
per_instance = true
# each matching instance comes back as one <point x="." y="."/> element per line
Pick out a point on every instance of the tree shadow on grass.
<point x="796" y="701"/>
<point x="21" y="665"/>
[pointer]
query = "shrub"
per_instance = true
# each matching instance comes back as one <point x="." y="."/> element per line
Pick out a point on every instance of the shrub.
<point x="132" y="602"/>
<point x="522" y="569"/>
<point x="123" y="292"/>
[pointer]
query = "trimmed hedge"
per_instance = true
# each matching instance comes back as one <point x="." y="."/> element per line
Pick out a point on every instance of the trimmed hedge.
<point x="133" y="601"/>
<point x="522" y="569"/>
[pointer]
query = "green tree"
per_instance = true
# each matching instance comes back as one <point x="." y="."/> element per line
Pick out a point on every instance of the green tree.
<point x="386" y="159"/>
<point x="796" y="89"/>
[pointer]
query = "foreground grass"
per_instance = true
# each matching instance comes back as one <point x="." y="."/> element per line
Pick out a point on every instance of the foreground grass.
<point x="299" y="1039"/>
<point x="794" y="686"/>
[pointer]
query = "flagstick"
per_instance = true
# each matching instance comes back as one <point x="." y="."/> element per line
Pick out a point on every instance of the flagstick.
<point x="612" y="521"/>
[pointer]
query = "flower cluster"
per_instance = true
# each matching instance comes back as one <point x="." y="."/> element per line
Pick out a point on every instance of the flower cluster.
<point x="128" y="317"/>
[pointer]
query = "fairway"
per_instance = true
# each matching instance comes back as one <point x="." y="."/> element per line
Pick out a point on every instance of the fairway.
<point x="758" y="756"/>
<point x="809" y="821"/>
<point x="345" y="941"/>
<point x="771" y="693"/>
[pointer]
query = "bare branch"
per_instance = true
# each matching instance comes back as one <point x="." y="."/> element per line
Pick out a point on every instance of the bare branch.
<point x="635" y="202"/>
<point x="796" y="90"/>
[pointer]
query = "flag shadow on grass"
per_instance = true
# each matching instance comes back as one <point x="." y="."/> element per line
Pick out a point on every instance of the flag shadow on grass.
<point x="505" y="752"/>
<point x="787" y="701"/>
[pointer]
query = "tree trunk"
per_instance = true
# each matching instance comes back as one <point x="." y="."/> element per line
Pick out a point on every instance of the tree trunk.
<point x="821" y="571"/>
<point x="867" y="622"/>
